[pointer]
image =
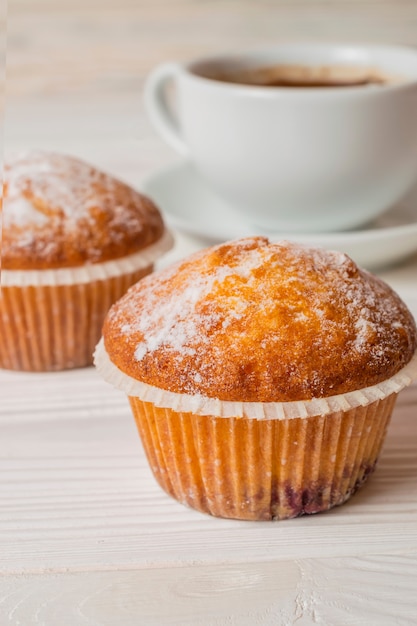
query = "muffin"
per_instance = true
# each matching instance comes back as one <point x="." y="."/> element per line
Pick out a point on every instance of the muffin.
<point x="262" y="376"/>
<point x="74" y="240"/>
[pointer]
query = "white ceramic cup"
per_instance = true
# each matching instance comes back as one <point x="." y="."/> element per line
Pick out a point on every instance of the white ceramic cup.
<point x="291" y="158"/>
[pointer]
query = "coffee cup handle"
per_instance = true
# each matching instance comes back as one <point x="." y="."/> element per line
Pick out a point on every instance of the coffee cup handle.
<point x="161" y="115"/>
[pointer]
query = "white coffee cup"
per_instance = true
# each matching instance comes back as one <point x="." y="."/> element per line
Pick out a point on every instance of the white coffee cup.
<point x="296" y="158"/>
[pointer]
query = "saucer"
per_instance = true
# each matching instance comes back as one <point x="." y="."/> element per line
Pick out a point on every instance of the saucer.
<point x="192" y="207"/>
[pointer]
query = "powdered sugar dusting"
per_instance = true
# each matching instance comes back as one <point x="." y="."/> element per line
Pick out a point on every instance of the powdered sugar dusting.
<point x="41" y="184"/>
<point x="173" y="322"/>
<point x="21" y="212"/>
<point x="59" y="208"/>
<point x="261" y="320"/>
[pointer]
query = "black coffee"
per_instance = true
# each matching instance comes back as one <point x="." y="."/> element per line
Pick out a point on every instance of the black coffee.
<point x="301" y="76"/>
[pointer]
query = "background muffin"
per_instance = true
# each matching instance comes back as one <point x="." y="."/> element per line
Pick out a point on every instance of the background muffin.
<point x="74" y="239"/>
<point x="261" y="376"/>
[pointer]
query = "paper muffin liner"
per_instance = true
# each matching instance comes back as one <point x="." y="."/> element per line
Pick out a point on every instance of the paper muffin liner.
<point x="52" y="319"/>
<point x="201" y="405"/>
<point x="89" y="272"/>
<point x="262" y="467"/>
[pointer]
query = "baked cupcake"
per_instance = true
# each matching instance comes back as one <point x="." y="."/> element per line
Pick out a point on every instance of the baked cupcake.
<point x="74" y="240"/>
<point x="262" y="376"/>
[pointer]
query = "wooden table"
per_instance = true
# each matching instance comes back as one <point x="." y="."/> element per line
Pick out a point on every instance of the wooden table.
<point x="87" y="538"/>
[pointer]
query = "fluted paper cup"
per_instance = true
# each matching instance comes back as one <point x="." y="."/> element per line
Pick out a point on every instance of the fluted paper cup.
<point x="268" y="461"/>
<point x="52" y="319"/>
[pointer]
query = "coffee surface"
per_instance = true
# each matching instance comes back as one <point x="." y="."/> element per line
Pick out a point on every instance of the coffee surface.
<point x="302" y="76"/>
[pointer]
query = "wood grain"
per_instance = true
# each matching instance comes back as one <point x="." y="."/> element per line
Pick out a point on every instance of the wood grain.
<point x="374" y="590"/>
<point x="77" y="493"/>
<point x="87" y="538"/>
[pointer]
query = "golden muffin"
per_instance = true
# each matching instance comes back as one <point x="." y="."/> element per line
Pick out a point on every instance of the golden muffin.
<point x="74" y="240"/>
<point x="261" y="375"/>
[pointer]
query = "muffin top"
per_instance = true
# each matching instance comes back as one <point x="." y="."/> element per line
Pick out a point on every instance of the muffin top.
<point x="60" y="212"/>
<point x="256" y="321"/>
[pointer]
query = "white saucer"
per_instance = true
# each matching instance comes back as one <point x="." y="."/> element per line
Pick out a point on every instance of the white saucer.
<point x="190" y="206"/>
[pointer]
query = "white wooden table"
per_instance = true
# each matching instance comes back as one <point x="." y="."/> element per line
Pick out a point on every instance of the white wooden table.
<point x="87" y="538"/>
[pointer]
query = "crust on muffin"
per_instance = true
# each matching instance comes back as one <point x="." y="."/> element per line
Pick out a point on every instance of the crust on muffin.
<point x="255" y="321"/>
<point x="59" y="212"/>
